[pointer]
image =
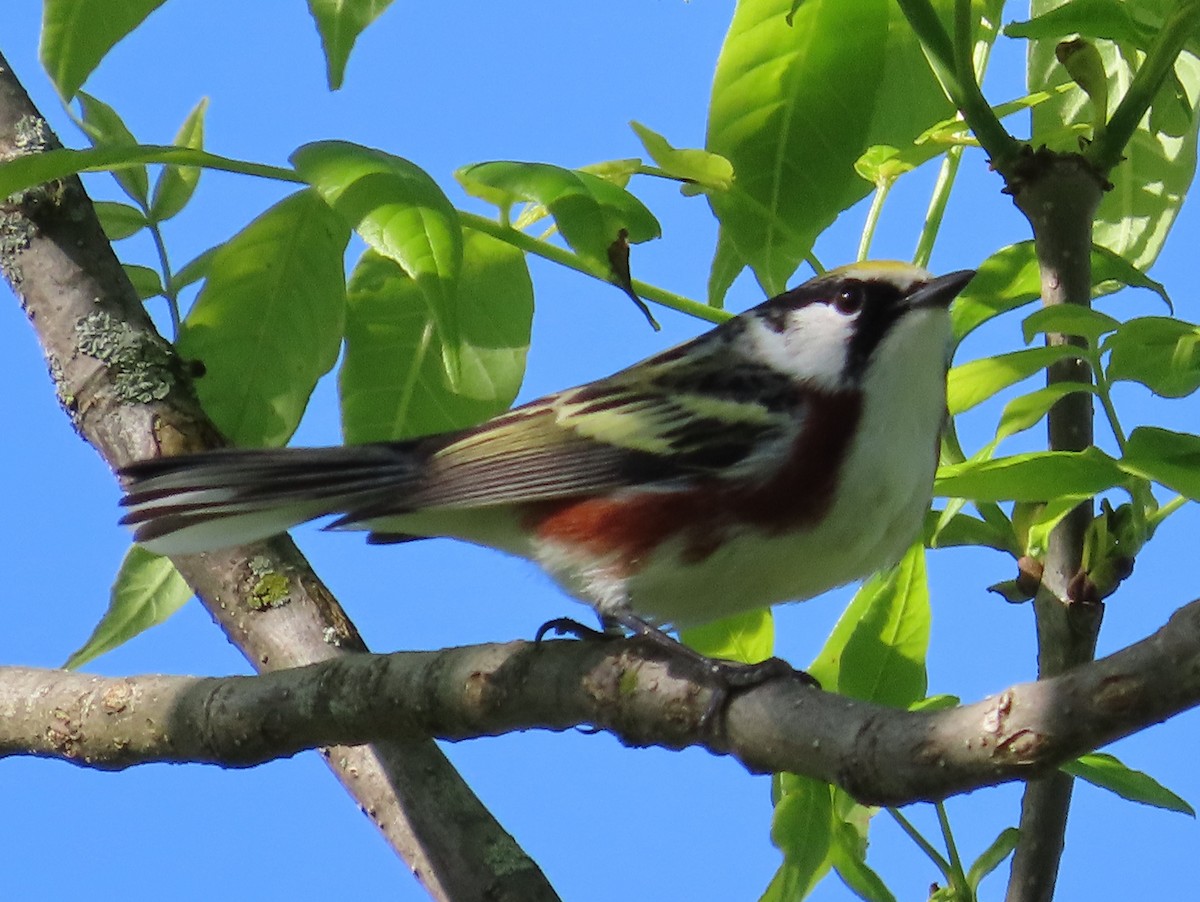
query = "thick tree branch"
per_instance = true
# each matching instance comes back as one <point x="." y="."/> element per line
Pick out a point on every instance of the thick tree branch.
<point x="880" y="755"/>
<point x="122" y="387"/>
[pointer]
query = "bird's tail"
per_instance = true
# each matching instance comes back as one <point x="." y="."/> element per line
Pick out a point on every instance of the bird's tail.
<point x="199" y="502"/>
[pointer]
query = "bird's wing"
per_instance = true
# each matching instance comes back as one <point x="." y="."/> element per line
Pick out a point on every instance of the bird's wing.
<point x="692" y="412"/>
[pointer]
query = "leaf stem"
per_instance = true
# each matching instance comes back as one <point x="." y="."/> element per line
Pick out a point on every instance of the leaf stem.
<point x="1108" y="149"/>
<point x="1154" y="519"/>
<point x="168" y="278"/>
<point x="1103" y="393"/>
<point x="959" y="876"/>
<point x="925" y="846"/>
<point x="958" y="81"/>
<point x="555" y="254"/>
<point x="937" y="205"/>
<point x="873" y="214"/>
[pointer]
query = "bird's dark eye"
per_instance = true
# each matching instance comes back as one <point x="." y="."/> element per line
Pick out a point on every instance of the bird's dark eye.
<point x="849" y="299"/>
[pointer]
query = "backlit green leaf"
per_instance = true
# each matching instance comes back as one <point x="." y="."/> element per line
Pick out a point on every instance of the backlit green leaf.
<point x="268" y="322"/>
<point x="698" y="168"/>
<point x="340" y="22"/>
<point x="802" y="829"/>
<point x="748" y="637"/>
<point x="590" y="211"/>
<point x="393" y="380"/>
<point x="778" y="88"/>
<point x="1161" y="353"/>
<point x="76" y="35"/>
<point x="1025" y="411"/>
<point x="176" y="184"/>
<point x="1069" y="319"/>
<point x="993" y="856"/>
<point x="1151" y="182"/>
<point x="402" y="214"/>
<point x="852" y="867"/>
<point x="1037" y="476"/>
<point x="106" y="130"/>
<point x="876" y="651"/>
<point x="972" y="383"/>
<point x="148" y="589"/>
<point x="1169" y="458"/>
<point x="1109" y="773"/>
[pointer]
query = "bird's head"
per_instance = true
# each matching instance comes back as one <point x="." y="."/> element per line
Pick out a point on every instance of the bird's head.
<point x="834" y="329"/>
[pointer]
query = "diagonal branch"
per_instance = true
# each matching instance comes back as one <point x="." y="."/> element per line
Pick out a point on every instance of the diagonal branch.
<point x="880" y="755"/>
<point x="123" y="388"/>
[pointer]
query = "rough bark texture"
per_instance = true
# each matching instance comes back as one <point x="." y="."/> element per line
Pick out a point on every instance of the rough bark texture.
<point x="882" y="756"/>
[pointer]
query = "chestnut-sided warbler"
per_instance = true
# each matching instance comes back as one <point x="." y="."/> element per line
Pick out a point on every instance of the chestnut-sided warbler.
<point x="787" y="451"/>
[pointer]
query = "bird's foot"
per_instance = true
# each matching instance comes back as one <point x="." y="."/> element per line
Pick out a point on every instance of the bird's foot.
<point x="723" y="677"/>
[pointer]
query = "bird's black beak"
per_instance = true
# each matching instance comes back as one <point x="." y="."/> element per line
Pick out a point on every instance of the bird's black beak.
<point x="941" y="291"/>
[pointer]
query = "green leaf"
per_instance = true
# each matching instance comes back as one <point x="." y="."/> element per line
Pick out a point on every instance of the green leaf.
<point x="194" y="270"/>
<point x="1150" y="184"/>
<point x="963" y="529"/>
<point x="1024" y="412"/>
<point x="176" y="184"/>
<point x="402" y="214"/>
<point x="1036" y="476"/>
<point x="881" y="165"/>
<point x="76" y="35"/>
<point x="394" y="382"/>
<point x="619" y="172"/>
<point x="1169" y="458"/>
<point x="974" y="382"/>
<point x="1069" y="319"/>
<point x="148" y="589"/>
<point x="1010" y="278"/>
<point x="701" y="170"/>
<point x="748" y="637"/>
<point x="802" y="829"/>
<point x="268" y="322"/>
<point x="1110" y="19"/>
<point x="1162" y="354"/>
<point x="940" y="702"/>
<point x="145" y="280"/>
<point x="1109" y="773"/>
<point x="852" y="867"/>
<point x="993" y="856"/>
<point x="779" y="91"/>
<point x="105" y="129"/>
<point x="118" y="220"/>
<point x="1048" y="516"/>
<point x="876" y="651"/>
<point x="340" y="22"/>
<point x="1110" y="272"/>
<point x="589" y="211"/>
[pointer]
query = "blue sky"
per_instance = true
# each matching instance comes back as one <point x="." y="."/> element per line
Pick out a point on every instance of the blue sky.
<point x="445" y="85"/>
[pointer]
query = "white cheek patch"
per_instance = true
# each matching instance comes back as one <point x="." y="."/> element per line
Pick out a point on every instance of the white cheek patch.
<point x="811" y="347"/>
